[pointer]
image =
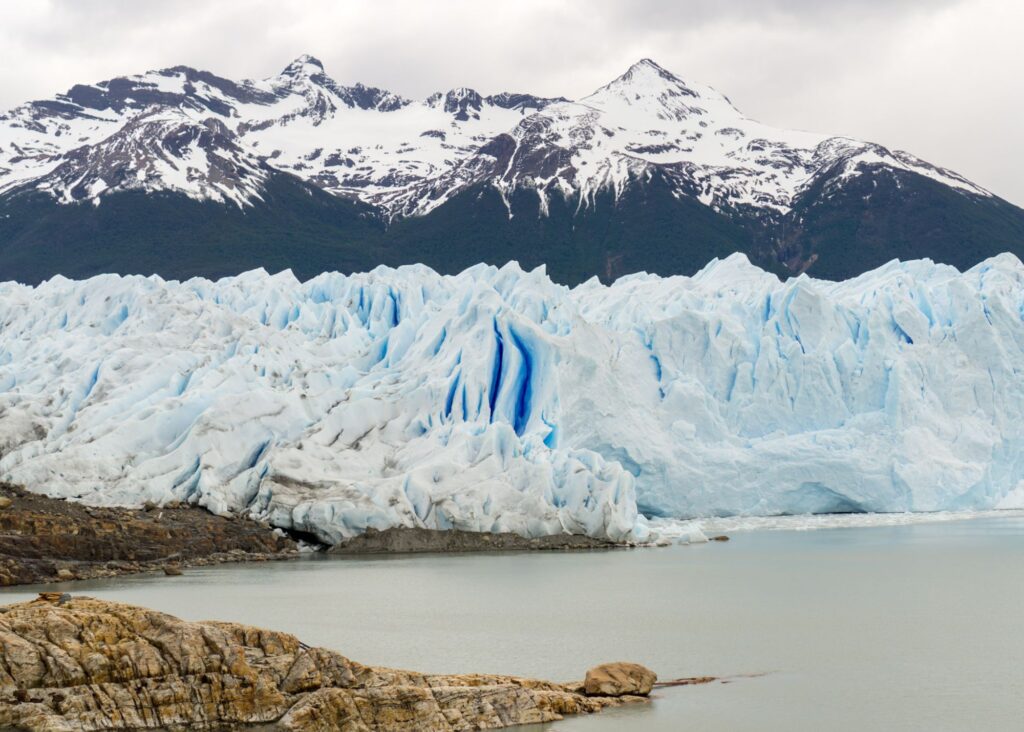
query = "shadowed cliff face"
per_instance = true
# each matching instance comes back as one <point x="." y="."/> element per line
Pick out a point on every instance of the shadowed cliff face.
<point x="86" y="664"/>
<point x="46" y="539"/>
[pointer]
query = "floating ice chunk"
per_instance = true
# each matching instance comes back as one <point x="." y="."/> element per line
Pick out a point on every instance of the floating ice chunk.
<point x="692" y="535"/>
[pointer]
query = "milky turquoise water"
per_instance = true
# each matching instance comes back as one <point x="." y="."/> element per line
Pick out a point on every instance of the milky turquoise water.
<point x="917" y="627"/>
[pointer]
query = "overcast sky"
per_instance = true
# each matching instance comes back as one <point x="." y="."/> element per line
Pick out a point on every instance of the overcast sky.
<point x="943" y="79"/>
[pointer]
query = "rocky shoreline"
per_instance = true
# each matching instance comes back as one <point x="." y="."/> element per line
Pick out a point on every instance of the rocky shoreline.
<point x="46" y="540"/>
<point x="78" y="663"/>
<point x="407" y="540"/>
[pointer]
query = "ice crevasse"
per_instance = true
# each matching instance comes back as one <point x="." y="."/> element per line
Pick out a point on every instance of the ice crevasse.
<point x="496" y="400"/>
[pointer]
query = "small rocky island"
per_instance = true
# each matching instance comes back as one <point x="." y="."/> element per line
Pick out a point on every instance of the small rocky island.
<point x="78" y="663"/>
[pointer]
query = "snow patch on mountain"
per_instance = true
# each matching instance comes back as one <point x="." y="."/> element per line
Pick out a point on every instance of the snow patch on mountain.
<point x="495" y="400"/>
<point x="161" y="150"/>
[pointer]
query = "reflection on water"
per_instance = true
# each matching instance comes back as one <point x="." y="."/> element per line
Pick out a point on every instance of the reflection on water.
<point x="900" y="627"/>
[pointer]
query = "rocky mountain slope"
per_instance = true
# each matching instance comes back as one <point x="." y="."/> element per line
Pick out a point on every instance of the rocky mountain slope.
<point x="181" y="172"/>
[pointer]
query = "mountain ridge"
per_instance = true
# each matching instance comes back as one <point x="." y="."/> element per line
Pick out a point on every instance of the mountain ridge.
<point x="191" y="133"/>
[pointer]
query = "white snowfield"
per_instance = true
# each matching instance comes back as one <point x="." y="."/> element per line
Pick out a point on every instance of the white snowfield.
<point x="495" y="400"/>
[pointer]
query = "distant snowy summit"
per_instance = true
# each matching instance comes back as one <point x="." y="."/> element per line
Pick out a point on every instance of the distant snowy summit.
<point x="497" y="400"/>
<point x="649" y="172"/>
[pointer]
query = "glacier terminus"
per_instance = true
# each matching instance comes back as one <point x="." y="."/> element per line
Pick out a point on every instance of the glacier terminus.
<point x="497" y="400"/>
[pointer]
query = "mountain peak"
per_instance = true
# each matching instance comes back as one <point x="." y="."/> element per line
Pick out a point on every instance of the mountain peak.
<point x="646" y="84"/>
<point x="650" y="87"/>
<point x="647" y="73"/>
<point x="648" y="64"/>
<point x="305" y="65"/>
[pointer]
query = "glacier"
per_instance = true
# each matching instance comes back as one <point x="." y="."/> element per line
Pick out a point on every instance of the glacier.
<point x="498" y="400"/>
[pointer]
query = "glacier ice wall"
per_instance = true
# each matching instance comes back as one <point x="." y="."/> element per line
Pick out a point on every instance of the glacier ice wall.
<point x="495" y="400"/>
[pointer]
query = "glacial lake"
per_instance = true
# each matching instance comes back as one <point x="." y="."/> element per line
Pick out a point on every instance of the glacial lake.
<point x="908" y="627"/>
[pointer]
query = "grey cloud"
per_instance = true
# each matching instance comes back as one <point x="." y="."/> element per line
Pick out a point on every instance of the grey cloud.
<point x="654" y="13"/>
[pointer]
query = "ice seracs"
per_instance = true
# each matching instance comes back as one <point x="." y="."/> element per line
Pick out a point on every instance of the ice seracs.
<point x="495" y="400"/>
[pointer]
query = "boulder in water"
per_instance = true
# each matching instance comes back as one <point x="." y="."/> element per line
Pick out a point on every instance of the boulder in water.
<point x="619" y="679"/>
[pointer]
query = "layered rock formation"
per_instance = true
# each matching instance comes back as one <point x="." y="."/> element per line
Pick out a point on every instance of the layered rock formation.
<point x="77" y="663"/>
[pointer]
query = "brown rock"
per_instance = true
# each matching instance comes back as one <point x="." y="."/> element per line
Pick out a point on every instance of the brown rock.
<point x="172" y="570"/>
<point x="618" y="679"/>
<point x="719" y="538"/>
<point x="65" y="575"/>
<point x="5" y="502"/>
<point x="39" y="535"/>
<point x="87" y="664"/>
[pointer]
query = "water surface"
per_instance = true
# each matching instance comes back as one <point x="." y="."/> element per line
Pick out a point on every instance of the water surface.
<point x="899" y="627"/>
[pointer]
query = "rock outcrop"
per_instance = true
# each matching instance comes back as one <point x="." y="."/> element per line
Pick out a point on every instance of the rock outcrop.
<point x="51" y="540"/>
<point x="616" y="679"/>
<point x="78" y="663"/>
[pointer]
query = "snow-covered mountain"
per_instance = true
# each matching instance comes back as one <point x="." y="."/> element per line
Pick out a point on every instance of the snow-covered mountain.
<point x="356" y="141"/>
<point x="408" y="157"/>
<point x="646" y="136"/>
<point x="650" y="120"/>
<point x="498" y="400"/>
<point x="161" y="149"/>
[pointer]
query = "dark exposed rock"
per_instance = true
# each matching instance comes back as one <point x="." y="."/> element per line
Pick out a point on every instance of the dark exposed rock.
<point x="47" y="540"/>
<point x="402" y="540"/>
<point x="522" y="102"/>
